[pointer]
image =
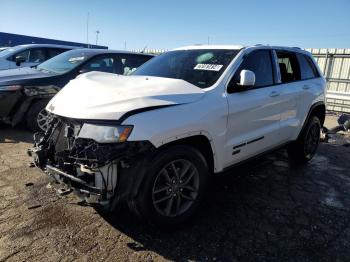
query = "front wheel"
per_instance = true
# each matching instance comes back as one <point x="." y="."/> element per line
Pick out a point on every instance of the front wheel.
<point x="174" y="186"/>
<point x="304" y="149"/>
<point x="37" y="117"/>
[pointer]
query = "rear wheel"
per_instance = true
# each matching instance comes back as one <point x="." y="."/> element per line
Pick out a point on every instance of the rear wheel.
<point x="303" y="150"/>
<point x="174" y="186"/>
<point x="37" y="117"/>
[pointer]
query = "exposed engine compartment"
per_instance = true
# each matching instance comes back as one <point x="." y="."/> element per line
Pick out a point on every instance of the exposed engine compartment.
<point x="90" y="168"/>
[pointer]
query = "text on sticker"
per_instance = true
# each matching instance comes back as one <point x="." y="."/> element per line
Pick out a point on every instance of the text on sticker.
<point x="209" y="67"/>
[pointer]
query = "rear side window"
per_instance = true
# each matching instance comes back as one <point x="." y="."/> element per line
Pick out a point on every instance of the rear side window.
<point x="260" y="63"/>
<point x="289" y="66"/>
<point x="307" y="67"/>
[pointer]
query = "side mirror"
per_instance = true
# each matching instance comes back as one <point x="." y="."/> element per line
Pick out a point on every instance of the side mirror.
<point x="247" y="80"/>
<point x="19" y="60"/>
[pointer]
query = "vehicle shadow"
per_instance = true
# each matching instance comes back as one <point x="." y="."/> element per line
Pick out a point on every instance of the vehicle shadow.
<point x="267" y="209"/>
<point x="16" y="134"/>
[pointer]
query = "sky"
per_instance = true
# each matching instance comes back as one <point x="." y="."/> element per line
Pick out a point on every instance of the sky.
<point x="169" y="24"/>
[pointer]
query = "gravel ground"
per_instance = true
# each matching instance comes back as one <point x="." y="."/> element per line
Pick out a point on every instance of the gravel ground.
<point x="265" y="210"/>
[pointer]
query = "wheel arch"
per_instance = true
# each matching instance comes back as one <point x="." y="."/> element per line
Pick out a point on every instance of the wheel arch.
<point x="23" y="109"/>
<point x="132" y="183"/>
<point x="201" y="143"/>
<point x="317" y="109"/>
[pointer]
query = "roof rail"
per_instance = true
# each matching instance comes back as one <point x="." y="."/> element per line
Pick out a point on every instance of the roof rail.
<point x="296" y="47"/>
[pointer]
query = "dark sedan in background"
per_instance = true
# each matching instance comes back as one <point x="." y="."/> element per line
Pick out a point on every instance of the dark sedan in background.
<point x="25" y="92"/>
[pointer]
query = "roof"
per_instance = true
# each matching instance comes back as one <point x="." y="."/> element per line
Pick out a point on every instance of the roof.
<point x="107" y="51"/>
<point x="45" y="45"/>
<point x="198" y="47"/>
<point x="238" y="47"/>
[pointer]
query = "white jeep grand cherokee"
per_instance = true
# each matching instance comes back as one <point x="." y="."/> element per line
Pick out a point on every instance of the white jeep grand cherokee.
<point x="155" y="138"/>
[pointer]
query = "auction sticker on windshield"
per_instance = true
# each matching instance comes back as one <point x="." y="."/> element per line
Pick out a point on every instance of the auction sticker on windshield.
<point x="209" y="67"/>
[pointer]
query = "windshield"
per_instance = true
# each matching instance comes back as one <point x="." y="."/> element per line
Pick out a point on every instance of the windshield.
<point x="201" y="67"/>
<point x="64" y="62"/>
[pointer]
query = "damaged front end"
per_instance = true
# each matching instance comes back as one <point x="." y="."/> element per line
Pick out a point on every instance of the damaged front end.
<point x="98" y="167"/>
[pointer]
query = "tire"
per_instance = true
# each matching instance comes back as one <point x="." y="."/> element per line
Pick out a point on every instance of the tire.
<point x="304" y="149"/>
<point x="36" y="109"/>
<point x="161" y="176"/>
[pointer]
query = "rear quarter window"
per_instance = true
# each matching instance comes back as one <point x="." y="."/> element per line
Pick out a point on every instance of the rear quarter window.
<point x="307" y="67"/>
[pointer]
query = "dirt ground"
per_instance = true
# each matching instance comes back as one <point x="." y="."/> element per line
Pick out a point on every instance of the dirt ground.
<point x="265" y="210"/>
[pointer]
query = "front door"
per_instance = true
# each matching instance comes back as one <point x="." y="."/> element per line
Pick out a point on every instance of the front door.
<point x="254" y="114"/>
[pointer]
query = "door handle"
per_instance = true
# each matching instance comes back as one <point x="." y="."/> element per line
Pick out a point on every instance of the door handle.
<point x="306" y="87"/>
<point x="274" y="94"/>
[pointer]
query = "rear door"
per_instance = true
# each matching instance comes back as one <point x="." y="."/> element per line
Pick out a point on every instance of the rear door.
<point x="312" y="84"/>
<point x="254" y="114"/>
<point x="291" y="93"/>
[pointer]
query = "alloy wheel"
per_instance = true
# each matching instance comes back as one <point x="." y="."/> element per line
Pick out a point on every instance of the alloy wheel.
<point x="175" y="188"/>
<point x="312" y="141"/>
<point x="43" y="119"/>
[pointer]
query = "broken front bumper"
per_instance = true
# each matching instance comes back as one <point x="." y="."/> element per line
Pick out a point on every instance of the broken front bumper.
<point x="97" y="172"/>
<point x="76" y="182"/>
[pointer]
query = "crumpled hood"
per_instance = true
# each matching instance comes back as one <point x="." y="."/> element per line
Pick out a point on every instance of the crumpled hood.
<point x="106" y="96"/>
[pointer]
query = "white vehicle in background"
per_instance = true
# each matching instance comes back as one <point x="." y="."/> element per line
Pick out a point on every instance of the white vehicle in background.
<point x="153" y="139"/>
<point x="29" y="55"/>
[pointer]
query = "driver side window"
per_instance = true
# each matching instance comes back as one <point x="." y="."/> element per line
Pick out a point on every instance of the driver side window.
<point x="24" y="54"/>
<point x="259" y="62"/>
<point x="34" y="55"/>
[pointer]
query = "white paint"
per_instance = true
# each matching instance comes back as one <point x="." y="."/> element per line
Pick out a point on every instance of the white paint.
<point x="276" y="113"/>
<point x="107" y="96"/>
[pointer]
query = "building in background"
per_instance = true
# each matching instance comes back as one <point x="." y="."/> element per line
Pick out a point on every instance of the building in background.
<point x="7" y="39"/>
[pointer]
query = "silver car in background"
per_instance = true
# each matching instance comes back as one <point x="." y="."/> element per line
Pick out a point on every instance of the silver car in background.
<point x="29" y="55"/>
